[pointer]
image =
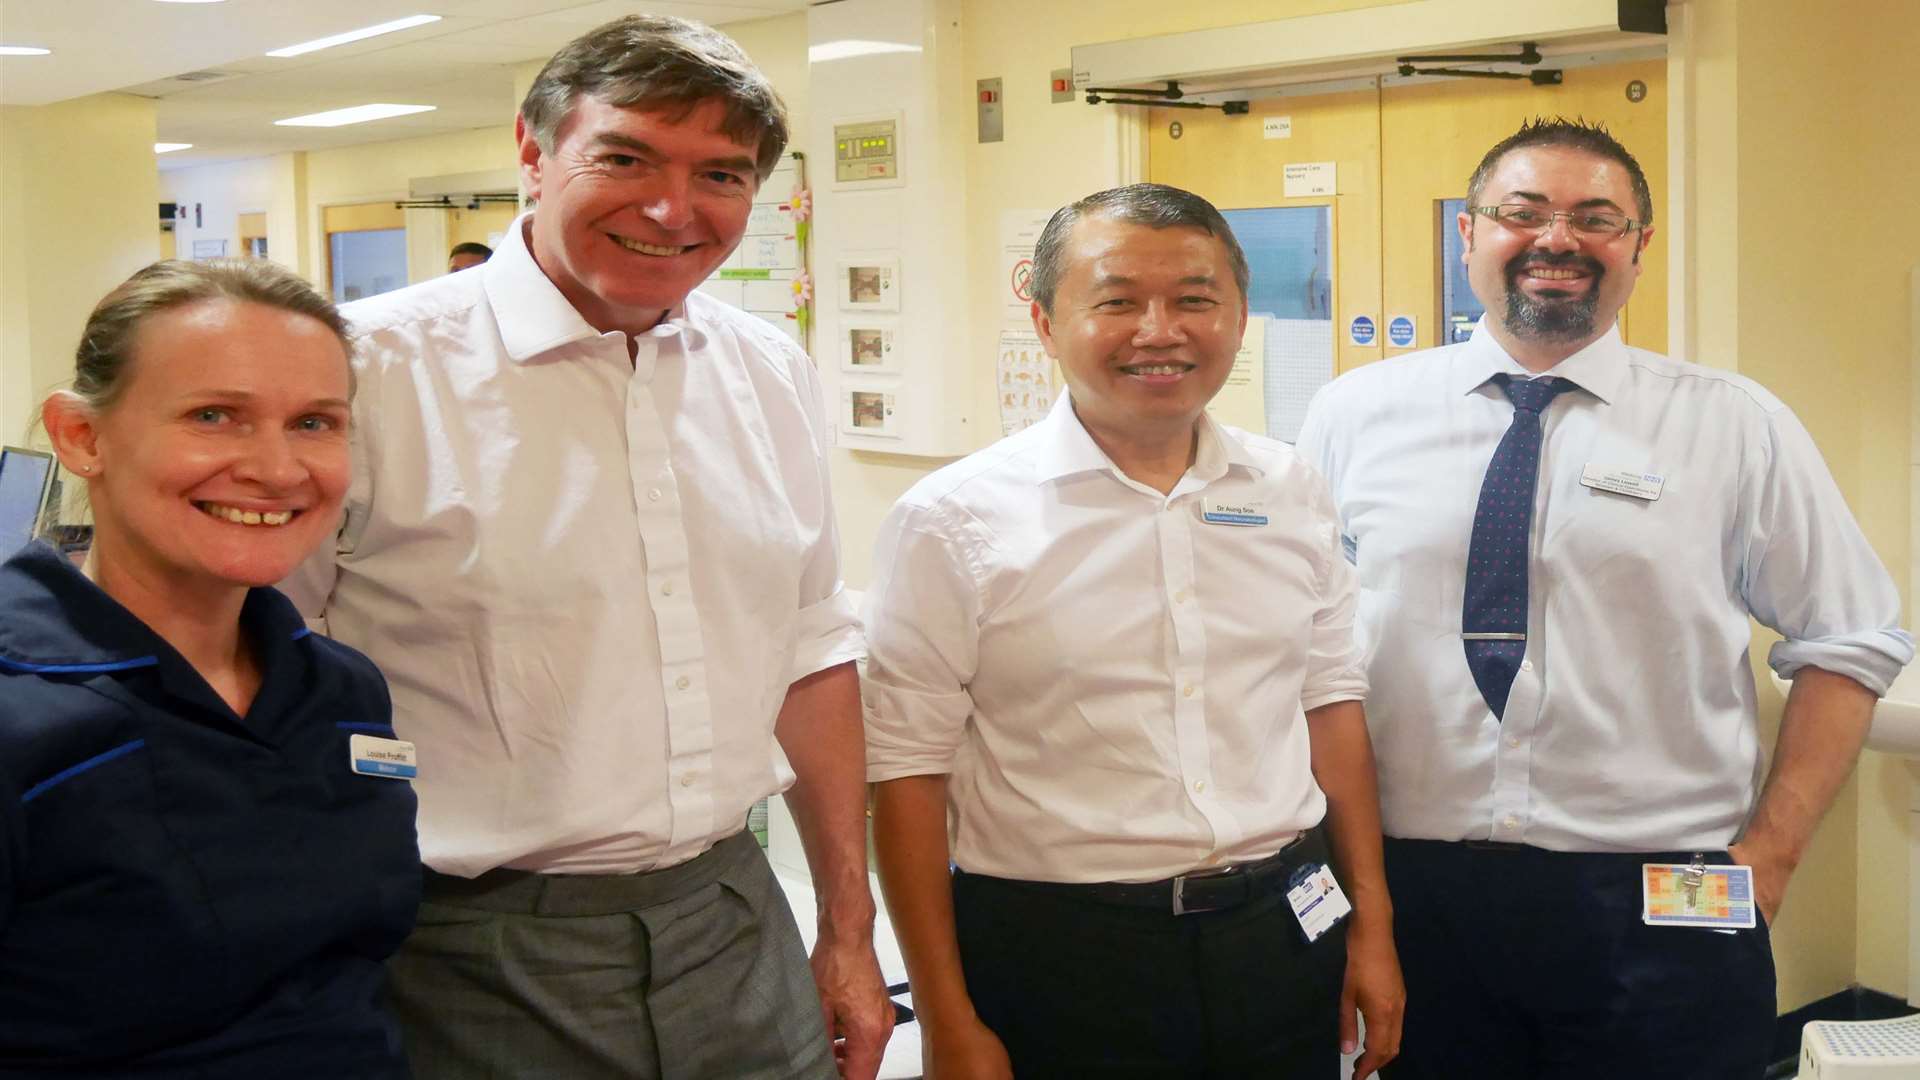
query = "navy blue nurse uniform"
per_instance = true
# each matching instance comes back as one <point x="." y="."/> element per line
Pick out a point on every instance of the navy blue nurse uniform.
<point x="185" y="892"/>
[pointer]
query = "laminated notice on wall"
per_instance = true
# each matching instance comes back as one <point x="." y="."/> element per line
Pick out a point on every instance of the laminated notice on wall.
<point x="1299" y="363"/>
<point x="1025" y="386"/>
<point x="766" y="275"/>
<point x="1308" y="179"/>
<point x="1019" y="231"/>
<point x="1242" y="400"/>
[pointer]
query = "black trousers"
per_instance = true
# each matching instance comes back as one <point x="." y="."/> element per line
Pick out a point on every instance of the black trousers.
<point x="1524" y="964"/>
<point x="1081" y="988"/>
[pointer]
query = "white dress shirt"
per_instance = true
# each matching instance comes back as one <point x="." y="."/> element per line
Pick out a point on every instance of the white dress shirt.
<point x="1631" y="725"/>
<point x="589" y="579"/>
<point x="1115" y="685"/>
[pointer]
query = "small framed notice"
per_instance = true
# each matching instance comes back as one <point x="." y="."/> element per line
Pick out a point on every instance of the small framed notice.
<point x="869" y="284"/>
<point x="868" y="412"/>
<point x="869" y="345"/>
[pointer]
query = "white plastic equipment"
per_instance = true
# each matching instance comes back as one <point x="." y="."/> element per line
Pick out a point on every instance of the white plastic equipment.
<point x="1861" y="1050"/>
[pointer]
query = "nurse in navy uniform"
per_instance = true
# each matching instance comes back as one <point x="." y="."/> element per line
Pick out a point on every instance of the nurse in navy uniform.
<point x="206" y="825"/>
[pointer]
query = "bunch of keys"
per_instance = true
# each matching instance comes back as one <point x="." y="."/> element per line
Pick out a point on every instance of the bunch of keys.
<point x="1692" y="879"/>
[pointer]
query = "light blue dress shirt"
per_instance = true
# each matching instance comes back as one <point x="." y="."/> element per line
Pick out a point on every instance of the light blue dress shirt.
<point x="1632" y="723"/>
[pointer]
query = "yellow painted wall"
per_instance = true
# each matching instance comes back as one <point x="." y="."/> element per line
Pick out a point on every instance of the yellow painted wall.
<point x="376" y="172"/>
<point x="1828" y="231"/>
<point x="79" y="212"/>
<point x="478" y="226"/>
<point x="288" y="241"/>
<point x="360" y="217"/>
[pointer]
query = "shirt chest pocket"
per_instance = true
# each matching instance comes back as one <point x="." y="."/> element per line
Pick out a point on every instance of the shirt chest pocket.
<point x="1668" y="534"/>
<point x="113" y="942"/>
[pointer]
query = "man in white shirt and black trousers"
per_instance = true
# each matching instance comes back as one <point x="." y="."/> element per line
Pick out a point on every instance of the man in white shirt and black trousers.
<point x="1559" y="541"/>
<point x="589" y="540"/>
<point x="1112" y="678"/>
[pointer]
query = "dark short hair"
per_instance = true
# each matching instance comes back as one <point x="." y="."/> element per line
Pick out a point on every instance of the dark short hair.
<point x="106" y="344"/>
<point x="1575" y="134"/>
<point x="1156" y="206"/>
<point x="654" y="63"/>
<point x="471" y="247"/>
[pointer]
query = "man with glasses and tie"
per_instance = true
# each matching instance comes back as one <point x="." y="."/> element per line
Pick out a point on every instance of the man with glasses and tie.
<point x="1559" y="541"/>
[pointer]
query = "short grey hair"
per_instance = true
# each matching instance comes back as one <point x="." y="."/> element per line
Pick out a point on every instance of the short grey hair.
<point x="654" y="63"/>
<point x="1156" y="206"/>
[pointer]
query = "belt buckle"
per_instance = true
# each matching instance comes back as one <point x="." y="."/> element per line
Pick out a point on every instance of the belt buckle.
<point x="1180" y="887"/>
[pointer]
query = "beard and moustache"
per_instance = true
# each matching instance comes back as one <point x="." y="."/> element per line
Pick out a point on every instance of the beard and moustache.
<point x="1548" y="317"/>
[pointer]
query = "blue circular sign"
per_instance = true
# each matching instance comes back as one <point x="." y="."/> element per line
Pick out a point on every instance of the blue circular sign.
<point x="1362" y="331"/>
<point x="1400" y="332"/>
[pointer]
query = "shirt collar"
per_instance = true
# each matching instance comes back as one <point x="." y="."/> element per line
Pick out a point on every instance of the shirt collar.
<point x="1597" y="369"/>
<point x="1065" y="448"/>
<point x="59" y="621"/>
<point x="534" y="318"/>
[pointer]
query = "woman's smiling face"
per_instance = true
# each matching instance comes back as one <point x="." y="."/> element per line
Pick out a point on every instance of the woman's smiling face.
<point x="224" y="460"/>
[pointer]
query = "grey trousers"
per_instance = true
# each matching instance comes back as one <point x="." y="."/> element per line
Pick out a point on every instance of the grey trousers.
<point x="695" y="972"/>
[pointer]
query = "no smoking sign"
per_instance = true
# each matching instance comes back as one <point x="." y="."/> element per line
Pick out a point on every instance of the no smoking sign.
<point x="1022" y="281"/>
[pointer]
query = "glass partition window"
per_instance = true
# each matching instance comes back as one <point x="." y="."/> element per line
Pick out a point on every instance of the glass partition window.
<point x="1459" y="308"/>
<point x="1290" y="253"/>
<point x="367" y="262"/>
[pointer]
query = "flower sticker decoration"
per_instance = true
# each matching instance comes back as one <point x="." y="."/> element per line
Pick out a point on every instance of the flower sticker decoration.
<point x="800" y="205"/>
<point x="802" y="286"/>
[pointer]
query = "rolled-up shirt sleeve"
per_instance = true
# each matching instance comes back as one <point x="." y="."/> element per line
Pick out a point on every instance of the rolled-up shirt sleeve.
<point x="827" y="628"/>
<point x="1336" y="663"/>
<point x="1811" y="575"/>
<point x="923" y="617"/>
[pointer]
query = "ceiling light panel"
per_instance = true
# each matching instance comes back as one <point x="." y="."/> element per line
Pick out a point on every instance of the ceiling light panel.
<point x="361" y="34"/>
<point x="358" y="114"/>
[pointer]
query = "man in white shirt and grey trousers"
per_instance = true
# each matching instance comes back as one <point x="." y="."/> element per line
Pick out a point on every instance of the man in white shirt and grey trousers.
<point x="1112" y="677"/>
<point x="1559" y="541"/>
<point x="590" y="542"/>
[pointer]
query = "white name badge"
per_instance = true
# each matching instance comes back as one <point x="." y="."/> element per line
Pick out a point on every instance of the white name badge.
<point x="1716" y="897"/>
<point x="1227" y="512"/>
<point x="1631" y="482"/>
<point x="370" y="755"/>
<point x="1317" y="900"/>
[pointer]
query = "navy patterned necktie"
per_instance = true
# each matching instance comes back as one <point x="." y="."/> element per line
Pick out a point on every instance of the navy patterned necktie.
<point x="1493" y="622"/>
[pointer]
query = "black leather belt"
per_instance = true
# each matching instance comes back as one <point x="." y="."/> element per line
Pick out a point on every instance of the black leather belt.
<point x="1197" y="891"/>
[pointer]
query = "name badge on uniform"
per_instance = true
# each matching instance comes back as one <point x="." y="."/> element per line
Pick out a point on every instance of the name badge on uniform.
<point x="370" y="755"/>
<point x="1717" y="897"/>
<point x="1317" y="900"/>
<point x="1631" y="482"/>
<point x="1232" y="512"/>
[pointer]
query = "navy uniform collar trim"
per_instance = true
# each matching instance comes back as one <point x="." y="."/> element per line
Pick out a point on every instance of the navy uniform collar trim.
<point x="58" y="622"/>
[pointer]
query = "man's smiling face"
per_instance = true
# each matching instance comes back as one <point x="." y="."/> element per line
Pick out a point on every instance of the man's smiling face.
<point x="1554" y="287"/>
<point x="636" y="208"/>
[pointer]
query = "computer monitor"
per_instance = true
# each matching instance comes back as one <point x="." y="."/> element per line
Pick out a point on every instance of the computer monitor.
<point x="26" y="477"/>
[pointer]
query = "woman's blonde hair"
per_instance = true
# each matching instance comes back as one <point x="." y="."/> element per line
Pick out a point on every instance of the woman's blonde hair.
<point x="106" y="345"/>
